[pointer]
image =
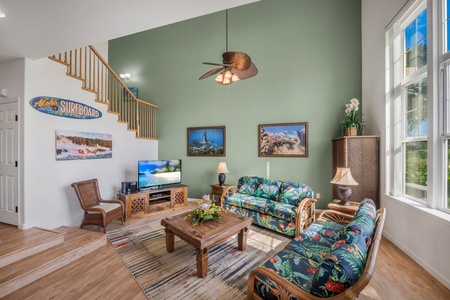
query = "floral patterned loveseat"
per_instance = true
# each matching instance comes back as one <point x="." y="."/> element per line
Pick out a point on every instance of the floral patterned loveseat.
<point x="283" y="206"/>
<point x="334" y="258"/>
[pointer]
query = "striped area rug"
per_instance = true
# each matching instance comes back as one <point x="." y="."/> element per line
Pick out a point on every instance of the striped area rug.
<point x="164" y="275"/>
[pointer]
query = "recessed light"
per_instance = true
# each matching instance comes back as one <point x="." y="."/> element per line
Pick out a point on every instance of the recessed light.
<point x="2" y="14"/>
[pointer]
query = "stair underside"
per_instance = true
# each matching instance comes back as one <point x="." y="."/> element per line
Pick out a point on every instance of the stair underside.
<point x="77" y="243"/>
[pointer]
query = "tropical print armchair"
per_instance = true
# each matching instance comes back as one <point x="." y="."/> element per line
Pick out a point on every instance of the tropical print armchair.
<point x="326" y="260"/>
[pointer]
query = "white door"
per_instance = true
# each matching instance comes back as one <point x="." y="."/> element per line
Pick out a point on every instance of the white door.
<point x="9" y="149"/>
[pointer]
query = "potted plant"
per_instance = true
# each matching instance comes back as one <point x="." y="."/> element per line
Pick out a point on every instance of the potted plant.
<point x="352" y="121"/>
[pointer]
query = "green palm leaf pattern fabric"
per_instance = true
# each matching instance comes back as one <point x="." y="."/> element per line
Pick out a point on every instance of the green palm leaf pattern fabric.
<point x="326" y="258"/>
<point x="294" y="192"/>
<point x="264" y="201"/>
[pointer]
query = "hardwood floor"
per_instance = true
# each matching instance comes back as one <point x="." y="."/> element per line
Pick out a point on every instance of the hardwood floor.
<point x="102" y="275"/>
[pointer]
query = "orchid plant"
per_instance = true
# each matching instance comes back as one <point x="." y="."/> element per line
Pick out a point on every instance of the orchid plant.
<point x="352" y="118"/>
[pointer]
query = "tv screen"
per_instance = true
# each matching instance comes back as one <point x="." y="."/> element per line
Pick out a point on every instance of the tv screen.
<point x="154" y="173"/>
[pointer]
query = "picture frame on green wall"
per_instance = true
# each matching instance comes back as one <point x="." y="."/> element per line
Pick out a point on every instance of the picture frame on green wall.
<point x="127" y="96"/>
<point x="206" y="141"/>
<point x="283" y="140"/>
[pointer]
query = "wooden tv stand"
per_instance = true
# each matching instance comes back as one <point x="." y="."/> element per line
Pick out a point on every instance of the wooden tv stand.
<point x="151" y="200"/>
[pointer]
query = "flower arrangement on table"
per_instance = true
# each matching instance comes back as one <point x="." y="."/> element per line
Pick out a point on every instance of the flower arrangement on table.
<point x="206" y="210"/>
<point x="352" y="118"/>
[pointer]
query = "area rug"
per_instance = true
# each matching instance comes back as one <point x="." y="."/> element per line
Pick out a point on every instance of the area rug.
<point x="164" y="275"/>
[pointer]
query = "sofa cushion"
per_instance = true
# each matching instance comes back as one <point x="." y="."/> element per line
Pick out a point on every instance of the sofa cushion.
<point x="255" y="203"/>
<point x="267" y="188"/>
<point x="364" y="220"/>
<point x="294" y="192"/>
<point x="248" y="184"/>
<point x="294" y="267"/>
<point x="282" y="211"/>
<point x="316" y="241"/>
<point x="342" y="267"/>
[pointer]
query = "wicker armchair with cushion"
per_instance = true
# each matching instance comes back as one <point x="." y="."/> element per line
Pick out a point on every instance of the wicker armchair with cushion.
<point x="96" y="210"/>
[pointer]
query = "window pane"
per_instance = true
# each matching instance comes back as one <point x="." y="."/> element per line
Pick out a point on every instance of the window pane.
<point x="415" y="35"/>
<point x="446" y="22"/>
<point x="447" y="14"/>
<point x="416" y="123"/>
<point x="416" y="169"/>
<point x="448" y="176"/>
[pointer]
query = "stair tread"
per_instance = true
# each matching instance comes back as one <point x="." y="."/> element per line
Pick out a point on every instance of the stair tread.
<point x="16" y="240"/>
<point x="75" y="239"/>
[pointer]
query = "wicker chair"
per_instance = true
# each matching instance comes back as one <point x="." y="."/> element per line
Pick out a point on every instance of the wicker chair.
<point x="96" y="210"/>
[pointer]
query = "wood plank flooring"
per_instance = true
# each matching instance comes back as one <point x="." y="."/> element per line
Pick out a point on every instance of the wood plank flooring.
<point x="102" y="275"/>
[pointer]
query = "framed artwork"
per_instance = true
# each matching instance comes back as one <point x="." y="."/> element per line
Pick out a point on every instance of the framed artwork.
<point x="126" y="95"/>
<point x="206" y="141"/>
<point x="72" y="145"/>
<point x="283" y="140"/>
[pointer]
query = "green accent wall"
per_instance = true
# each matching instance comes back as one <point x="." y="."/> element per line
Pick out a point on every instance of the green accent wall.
<point x="308" y="54"/>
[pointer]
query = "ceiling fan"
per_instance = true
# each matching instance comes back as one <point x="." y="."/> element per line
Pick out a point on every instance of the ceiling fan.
<point x="235" y="65"/>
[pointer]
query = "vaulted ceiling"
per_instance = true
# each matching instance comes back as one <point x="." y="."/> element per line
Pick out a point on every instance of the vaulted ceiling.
<point x="35" y="29"/>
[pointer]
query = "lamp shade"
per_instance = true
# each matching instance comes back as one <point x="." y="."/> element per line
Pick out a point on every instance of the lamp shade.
<point x="343" y="176"/>
<point x="222" y="168"/>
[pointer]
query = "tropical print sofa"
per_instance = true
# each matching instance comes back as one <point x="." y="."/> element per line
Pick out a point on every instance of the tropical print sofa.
<point x="333" y="258"/>
<point x="283" y="206"/>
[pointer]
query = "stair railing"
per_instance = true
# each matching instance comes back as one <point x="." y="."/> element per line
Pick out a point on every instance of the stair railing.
<point x="87" y="65"/>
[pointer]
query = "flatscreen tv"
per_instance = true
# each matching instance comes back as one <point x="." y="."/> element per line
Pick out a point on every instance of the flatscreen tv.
<point x="156" y="173"/>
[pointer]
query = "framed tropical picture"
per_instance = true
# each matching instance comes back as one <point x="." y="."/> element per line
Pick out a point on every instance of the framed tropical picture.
<point x="206" y="141"/>
<point x="283" y="140"/>
<point x="77" y="145"/>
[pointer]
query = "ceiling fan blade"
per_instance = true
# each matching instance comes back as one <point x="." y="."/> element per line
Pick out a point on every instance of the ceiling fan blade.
<point x="210" y="73"/>
<point x="216" y="64"/>
<point x="238" y="60"/>
<point x="246" y="74"/>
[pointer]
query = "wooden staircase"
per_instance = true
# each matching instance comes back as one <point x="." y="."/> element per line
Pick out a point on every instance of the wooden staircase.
<point x="86" y="64"/>
<point x="27" y="255"/>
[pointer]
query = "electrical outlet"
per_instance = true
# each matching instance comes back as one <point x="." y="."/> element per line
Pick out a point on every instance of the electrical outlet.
<point x="318" y="195"/>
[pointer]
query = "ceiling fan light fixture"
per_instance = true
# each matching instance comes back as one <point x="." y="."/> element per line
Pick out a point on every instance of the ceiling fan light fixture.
<point x="219" y="78"/>
<point x="234" y="78"/>
<point x="226" y="81"/>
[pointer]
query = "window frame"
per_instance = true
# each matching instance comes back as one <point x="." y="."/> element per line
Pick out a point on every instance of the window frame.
<point x="415" y="77"/>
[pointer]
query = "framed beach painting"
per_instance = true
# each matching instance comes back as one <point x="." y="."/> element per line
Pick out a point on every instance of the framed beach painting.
<point x="206" y="141"/>
<point x="76" y="145"/>
<point x="283" y="140"/>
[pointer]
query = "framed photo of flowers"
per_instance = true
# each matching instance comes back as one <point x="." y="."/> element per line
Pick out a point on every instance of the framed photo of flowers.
<point x="283" y="140"/>
<point x="206" y="141"/>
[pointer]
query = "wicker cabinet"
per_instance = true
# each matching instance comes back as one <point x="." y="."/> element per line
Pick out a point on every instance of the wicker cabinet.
<point x="361" y="155"/>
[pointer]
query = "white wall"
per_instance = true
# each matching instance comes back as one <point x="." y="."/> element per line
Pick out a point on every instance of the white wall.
<point x="49" y="200"/>
<point x="422" y="233"/>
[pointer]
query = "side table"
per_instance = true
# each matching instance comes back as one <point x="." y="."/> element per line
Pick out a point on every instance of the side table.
<point x="349" y="209"/>
<point x="221" y="191"/>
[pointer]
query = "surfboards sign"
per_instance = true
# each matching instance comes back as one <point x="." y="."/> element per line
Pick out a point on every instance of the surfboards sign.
<point x="64" y="108"/>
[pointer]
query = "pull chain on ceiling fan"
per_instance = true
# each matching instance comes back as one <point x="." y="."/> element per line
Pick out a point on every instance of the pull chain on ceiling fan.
<point x="235" y="65"/>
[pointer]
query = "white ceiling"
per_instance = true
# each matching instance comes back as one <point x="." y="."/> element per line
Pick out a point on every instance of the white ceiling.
<point x="39" y="28"/>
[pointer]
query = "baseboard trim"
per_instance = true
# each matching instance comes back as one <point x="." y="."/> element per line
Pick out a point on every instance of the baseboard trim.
<point x="418" y="260"/>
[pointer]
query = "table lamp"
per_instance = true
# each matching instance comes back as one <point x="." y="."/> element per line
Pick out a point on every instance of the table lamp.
<point x="222" y="169"/>
<point x="343" y="178"/>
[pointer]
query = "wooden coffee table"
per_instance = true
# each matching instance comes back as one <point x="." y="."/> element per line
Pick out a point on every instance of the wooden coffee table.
<point x="206" y="235"/>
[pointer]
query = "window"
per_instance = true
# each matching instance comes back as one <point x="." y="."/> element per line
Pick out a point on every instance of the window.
<point x="415" y="36"/>
<point x="418" y="104"/>
<point x="446" y="31"/>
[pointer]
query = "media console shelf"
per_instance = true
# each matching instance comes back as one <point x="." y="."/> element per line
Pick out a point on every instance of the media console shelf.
<point x="151" y="200"/>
